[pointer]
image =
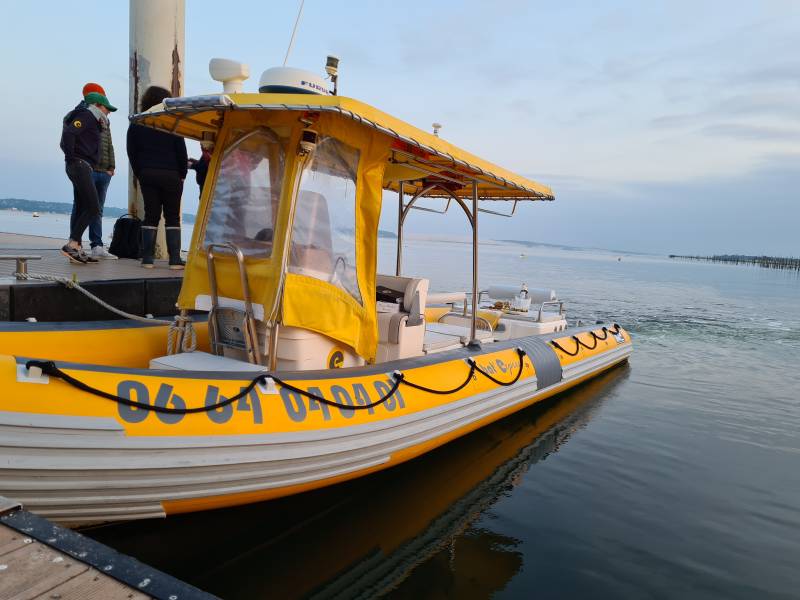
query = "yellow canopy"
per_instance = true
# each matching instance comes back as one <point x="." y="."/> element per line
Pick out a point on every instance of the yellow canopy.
<point x="307" y="222"/>
<point x="415" y="153"/>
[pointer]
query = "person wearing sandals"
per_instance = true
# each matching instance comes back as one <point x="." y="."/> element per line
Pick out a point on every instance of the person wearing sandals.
<point x="160" y="163"/>
<point x="80" y="142"/>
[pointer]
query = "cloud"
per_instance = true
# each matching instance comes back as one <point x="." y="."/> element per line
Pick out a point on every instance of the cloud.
<point x="752" y="132"/>
<point x="771" y="105"/>
<point x="782" y="73"/>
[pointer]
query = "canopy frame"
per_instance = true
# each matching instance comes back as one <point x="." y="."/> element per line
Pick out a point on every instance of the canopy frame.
<point x="472" y="217"/>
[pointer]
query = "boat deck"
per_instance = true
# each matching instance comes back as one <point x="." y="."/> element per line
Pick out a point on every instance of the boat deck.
<point x="122" y="283"/>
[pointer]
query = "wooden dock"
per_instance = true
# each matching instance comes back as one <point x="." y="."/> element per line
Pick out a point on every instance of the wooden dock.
<point x="42" y="561"/>
<point x="122" y="283"/>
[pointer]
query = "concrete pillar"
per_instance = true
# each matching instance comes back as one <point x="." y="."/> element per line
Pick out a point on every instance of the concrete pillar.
<point x="156" y="58"/>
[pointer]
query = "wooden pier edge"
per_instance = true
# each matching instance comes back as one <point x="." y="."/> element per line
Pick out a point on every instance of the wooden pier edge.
<point x="39" y="559"/>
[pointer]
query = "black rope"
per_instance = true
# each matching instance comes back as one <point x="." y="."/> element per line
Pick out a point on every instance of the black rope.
<point x="473" y="367"/>
<point x="398" y="378"/>
<point x="521" y="353"/>
<point x="49" y="367"/>
<point x="555" y="344"/>
<point x="579" y="342"/>
<point x="458" y="388"/>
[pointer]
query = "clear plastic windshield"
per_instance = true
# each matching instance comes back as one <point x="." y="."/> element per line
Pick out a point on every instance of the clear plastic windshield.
<point x="324" y="228"/>
<point x="247" y="193"/>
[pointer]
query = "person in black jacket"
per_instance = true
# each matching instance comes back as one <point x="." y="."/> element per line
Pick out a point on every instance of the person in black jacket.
<point x="80" y="141"/>
<point x="160" y="162"/>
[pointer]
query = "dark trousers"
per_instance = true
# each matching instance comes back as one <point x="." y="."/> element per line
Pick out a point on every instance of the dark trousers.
<point x="161" y="190"/>
<point x="86" y="203"/>
<point x="101" y="180"/>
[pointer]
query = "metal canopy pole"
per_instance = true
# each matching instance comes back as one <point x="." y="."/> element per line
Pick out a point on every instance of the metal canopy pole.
<point x="399" y="230"/>
<point x="473" y="325"/>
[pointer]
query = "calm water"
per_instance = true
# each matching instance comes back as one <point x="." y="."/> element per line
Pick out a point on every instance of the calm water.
<point x="57" y="226"/>
<point x="677" y="476"/>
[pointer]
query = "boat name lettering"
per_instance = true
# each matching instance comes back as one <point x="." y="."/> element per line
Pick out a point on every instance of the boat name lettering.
<point x="500" y="366"/>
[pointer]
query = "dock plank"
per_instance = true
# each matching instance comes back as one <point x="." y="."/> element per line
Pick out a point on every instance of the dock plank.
<point x="41" y="560"/>
<point x="34" y="570"/>
<point x="10" y="540"/>
<point x="55" y="263"/>
<point x="92" y="585"/>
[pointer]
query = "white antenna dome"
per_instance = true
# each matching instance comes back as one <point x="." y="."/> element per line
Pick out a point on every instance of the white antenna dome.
<point x="286" y="80"/>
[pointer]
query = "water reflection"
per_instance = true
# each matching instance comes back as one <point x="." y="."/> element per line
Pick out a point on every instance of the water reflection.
<point x="407" y="531"/>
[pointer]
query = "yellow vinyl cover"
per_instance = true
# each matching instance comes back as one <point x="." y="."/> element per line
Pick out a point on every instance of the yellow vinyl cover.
<point x="305" y="302"/>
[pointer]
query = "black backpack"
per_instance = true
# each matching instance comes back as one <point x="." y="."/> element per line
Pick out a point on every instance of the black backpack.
<point x="126" y="242"/>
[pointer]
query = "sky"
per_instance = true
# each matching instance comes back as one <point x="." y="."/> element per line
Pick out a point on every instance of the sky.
<point x="664" y="127"/>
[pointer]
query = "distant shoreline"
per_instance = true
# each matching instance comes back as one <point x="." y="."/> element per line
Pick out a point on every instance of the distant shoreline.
<point x="65" y="208"/>
<point x="767" y="262"/>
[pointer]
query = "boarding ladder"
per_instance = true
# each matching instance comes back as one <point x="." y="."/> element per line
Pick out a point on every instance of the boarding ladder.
<point x="231" y="326"/>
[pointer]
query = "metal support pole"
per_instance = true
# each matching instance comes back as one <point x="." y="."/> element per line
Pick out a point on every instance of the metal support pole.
<point x="472" y="339"/>
<point x="399" y="230"/>
<point x="157" y="42"/>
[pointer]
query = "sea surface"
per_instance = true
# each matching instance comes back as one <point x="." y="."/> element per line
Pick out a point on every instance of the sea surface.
<point x="675" y="476"/>
<point x="56" y="225"/>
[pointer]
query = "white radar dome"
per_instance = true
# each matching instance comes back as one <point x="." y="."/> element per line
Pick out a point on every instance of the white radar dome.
<point x="286" y="80"/>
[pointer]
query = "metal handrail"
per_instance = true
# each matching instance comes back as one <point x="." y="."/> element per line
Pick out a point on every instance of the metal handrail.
<point x="559" y="303"/>
<point x="249" y="321"/>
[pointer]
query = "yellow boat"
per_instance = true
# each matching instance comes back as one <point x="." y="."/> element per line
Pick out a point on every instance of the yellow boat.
<point x="294" y="364"/>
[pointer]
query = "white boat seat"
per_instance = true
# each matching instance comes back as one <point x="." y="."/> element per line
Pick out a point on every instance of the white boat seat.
<point x="401" y="333"/>
<point x="415" y="292"/>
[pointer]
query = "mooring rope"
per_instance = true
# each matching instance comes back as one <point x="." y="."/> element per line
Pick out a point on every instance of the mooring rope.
<point x="180" y="324"/>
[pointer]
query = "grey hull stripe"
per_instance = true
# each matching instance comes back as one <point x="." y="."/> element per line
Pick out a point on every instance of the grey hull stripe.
<point x="545" y="361"/>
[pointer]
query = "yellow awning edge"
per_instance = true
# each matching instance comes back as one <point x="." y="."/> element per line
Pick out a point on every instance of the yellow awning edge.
<point x="201" y="117"/>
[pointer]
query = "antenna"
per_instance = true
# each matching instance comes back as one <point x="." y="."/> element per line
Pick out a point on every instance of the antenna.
<point x="294" y="31"/>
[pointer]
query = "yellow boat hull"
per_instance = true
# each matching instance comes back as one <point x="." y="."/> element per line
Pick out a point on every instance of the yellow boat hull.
<point x="78" y="458"/>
